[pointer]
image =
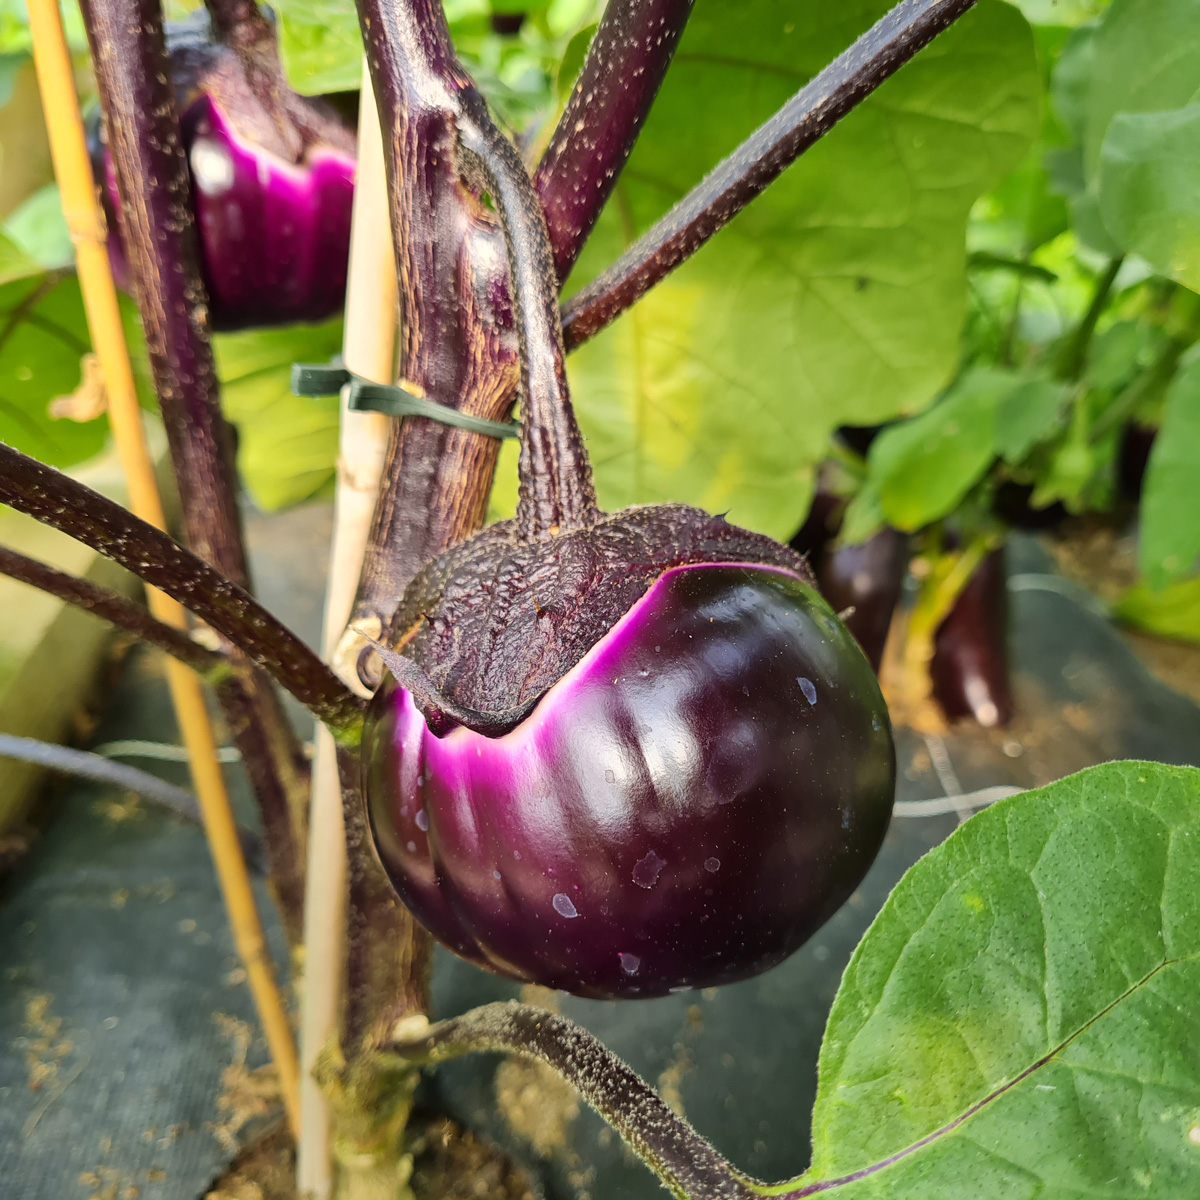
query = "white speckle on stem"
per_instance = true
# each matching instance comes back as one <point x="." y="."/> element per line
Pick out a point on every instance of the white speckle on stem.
<point x="808" y="688"/>
<point x="629" y="962"/>
<point x="563" y="906"/>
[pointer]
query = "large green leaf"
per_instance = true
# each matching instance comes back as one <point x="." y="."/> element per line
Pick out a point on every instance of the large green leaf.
<point x="43" y="337"/>
<point x="837" y="297"/>
<point x="1169" y="539"/>
<point x="287" y="444"/>
<point x="1021" y="1019"/>
<point x="1150" y="188"/>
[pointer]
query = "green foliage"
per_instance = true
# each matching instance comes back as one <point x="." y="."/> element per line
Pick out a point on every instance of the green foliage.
<point x="43" y="337"/>
<point x="1150" y="189"/>
<point x="1020" y="1018"/>
<point x="837" y="297"/>
<point x="15" y="263"/>
<point x="320" y="45"/>
<point x="1170" y="534"/>
<point x="922" y="468"/>
<point x="287" y="445"/>
<point x="1173" y="612"/>
<point x="39" y="228"/>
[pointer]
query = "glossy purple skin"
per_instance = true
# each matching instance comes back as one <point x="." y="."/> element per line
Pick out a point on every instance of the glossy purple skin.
<point x="684" y="808"/>
<point x="274" y="235"/>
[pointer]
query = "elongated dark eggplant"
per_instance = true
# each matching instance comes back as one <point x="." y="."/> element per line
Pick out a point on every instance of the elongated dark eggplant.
<point x="969" y="671"/>
<point x="868" y="579"/>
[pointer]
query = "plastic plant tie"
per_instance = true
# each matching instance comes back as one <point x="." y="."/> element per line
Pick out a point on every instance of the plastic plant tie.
<point x="326" y="379"/>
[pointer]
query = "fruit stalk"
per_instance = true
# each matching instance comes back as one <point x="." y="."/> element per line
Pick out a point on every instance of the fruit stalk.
<point x="622" y="72"/>
<point x="761" y="158"/>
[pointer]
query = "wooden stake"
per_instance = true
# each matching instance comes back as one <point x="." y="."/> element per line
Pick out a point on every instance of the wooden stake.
<point x="73" y="170"/>
<point x="368" y="350"/>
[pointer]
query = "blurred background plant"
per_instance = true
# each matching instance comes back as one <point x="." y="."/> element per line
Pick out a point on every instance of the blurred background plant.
<point x="970" y="308"/>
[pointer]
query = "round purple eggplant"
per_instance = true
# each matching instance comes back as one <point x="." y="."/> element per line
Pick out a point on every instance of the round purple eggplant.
<point x="272" y="185"/>
<point x="684" y="807"/>
<point x="969" y="670"/>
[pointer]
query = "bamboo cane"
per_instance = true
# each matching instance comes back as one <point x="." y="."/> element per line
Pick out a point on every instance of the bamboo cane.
<point x="368" y="349"/>
<point x="73" y="170"/>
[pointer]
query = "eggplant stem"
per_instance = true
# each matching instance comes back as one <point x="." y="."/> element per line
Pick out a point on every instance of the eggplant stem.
<point x="83" y="764"/>
<point x="133" y="78"/>
<point x="760" y="159"/>
<point x="621" y="74"/>
<point x="685" y="1163"/>
<point x="64" y="503"/>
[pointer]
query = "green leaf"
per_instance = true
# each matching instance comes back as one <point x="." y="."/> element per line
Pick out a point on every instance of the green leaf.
<point x="924" y="466"/>
<point x="1169" y="539"/>
<point x="1026" y="415"/>
<point x="40" y="229"/>
<point x="287" y="445"/>
<point x="836" y="297"/>
<point x="320" y="45"/>
<point x="43" y="337"/>
<point x="1174" y="612"/>
<point x="1150" y="189"/>
<point x="14" y="262"/>
<point x="1020" y="1019"/>
<point x="14" y="27"/>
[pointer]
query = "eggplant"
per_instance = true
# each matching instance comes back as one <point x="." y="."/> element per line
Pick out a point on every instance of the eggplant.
<point x="868" y="579"/>
<point x="635" y="757"/>
<point x="272" y="184"/>
<point x="969" y="670"/>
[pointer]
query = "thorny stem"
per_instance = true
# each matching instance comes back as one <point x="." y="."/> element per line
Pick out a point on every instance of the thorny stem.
<point x="687" y="1165"/>
<point x="557" y="492"/>
<point x="111" y="606"/>
<point x="624" y="68"/>
<point x="82" y="764"/>
<point x="133" y="79"/>
<point x="774" y="146"/>
<point x="64" y="503"/>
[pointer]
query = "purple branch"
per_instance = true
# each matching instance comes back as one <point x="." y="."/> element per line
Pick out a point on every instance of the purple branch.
<point x="458" y="344"/>
<point x="111" y="606"/>
<point x="624" y="68"/>
<point x="774" y="146"/>
<point x="133" y="77"/>
<point x="57" y="500"/>
<point x="665" y="1142"/>
<point x="81" y="764"/>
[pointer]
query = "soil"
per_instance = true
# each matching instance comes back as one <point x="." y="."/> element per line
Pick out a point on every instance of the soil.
<point x="450" y="1164"/>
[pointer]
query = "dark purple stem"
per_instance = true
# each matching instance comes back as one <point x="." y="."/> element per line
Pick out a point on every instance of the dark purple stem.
<point x="621" y="75"/>
<point x="674" y="1151"/>
<point x="773" y="147"/>
<point x="133" y="78"/>
<point x="118" y="610"/>
<point x="62" y="502"/>
<point x="458" y="344"/>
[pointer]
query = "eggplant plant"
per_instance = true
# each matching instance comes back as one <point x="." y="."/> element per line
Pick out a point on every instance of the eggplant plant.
<point x="1077" y="349"/>
<point x="624" y="752"/>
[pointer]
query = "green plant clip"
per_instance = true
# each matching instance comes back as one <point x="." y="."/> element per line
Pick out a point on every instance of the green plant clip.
<point x="325" y="379"/>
